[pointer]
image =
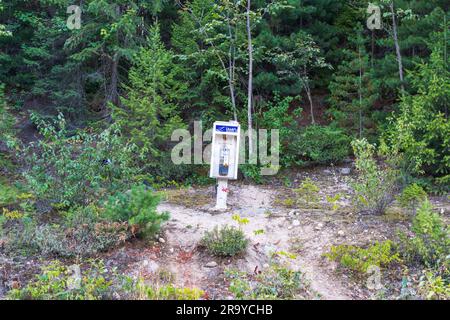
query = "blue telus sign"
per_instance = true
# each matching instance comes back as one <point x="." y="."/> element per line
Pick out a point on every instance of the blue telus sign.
<point x="232" y="129"/>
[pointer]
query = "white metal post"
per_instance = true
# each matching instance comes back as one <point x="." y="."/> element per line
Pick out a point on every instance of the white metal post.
<point x="222" y="193"/>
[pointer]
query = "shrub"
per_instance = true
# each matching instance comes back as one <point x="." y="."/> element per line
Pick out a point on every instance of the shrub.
<point x="430" y="243"/>
<point x="375" y="186"/>
<point x="137" y="289"/>
<point x="82" y="233"/>
<point x="276" y="282"/>
<point x="57" y="282"/>
<point x="319" y="145"/>
<point x="138" y="207"/>
<point x="434" y="287"/>
<point x="78" y="169"/>
<point x="308" y="193"/>
<point x="411" y="196"/>
<point x="225" y="241"/>
<point x="380" y="254"/>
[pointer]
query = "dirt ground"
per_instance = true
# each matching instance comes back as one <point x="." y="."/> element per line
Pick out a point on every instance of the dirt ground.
<point x="306" y="231"/>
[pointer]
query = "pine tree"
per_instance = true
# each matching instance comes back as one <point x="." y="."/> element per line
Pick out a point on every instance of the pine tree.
<point x="150" y="109"/>
<point x="353" y="90"/>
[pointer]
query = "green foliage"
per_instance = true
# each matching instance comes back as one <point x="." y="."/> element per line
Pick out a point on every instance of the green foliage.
<point x="58" y="282"/>
<point x="319" y="145"/>
<point x="142" y="291"/>
<point x="353" y="90"/>
<point x="421" y="128"/>
<point x="81" y="233"/>
<point x="430" y="242"/>
<point x="434" y="287"/>
<point x="225" y="241"/>
<point x="276" y="282"/>
<point x="138" y="207"/>
<point x="75" y="170"/>
<point x="380" y="254"/>
<point x="376" y="184"/>
<point x="412" y="196"/>
<point x="150" y="112"/>
<point x="308" y="193"/>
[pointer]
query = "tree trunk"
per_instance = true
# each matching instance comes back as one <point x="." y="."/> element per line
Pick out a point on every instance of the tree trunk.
<point x="311" y="106"/>
<point x="397" y="46"/>
<point x="231" y="67"/>
<point x="250" y="82"/>
<point x="113" y="91"/>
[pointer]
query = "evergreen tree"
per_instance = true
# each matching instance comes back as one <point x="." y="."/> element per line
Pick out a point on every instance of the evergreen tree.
<point x="353" y="90"/>
<point x="150" y="109"/>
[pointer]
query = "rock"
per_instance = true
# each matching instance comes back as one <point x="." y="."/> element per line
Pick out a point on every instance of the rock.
<point x="161" y="240"/>
<point x="289" y="227"/>
<point x="318" y="227"/>
<point x="327" y="171"/>
<point x="266" y="266"/>
<point x="211" y="264"/>
<point x="150" y="265"/>
<point x="341" y="233"/>
<point x="171" y="250"/>
<point x="345" y="171"/>
<point x="295" y="223"/>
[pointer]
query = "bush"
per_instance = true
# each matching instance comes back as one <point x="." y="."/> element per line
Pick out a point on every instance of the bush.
<point x="57" y="282"/>
<point x="319" y="145"/>
<point x="380" y="254"/>
<point x="430" y="243"/>
<point x="434" y="287"/>
<point x="225" y="241"/>
<point x="82" y="233"/>
<point x="79" y="169"/>
<point x="276" y="282"/>
<point x="376" y="185"/>
<point x="411" y="196"/>
<point x="138" y="207"/>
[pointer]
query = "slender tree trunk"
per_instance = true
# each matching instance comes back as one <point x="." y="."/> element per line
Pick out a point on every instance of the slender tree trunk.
<point x="250" y="81"/>
<point x="231" y="66"/>
<point x="311" y="105"/>
<point x="397" y="46"/>
<point x="113" y="88"/>
<point x="360" y="92"/>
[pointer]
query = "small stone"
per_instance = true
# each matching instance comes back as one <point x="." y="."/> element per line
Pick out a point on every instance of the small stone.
<point x="319" y="226"/>
<point x="211" y="264"/>
<point x="345" y="171"/>
<point x="289" y="227"/>
<point x="295" y="223"/>
<point x="171" y="250"/>
<point x="161" y="240"/>
<point x="266" y="266"/>
<point x="341" y="233"/>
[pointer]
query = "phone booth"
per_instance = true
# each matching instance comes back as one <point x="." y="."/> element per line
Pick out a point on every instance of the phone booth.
<point x="224" y="157"/>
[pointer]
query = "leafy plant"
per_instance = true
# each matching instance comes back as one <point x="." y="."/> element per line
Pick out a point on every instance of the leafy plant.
<point x="276" y="282"/>
<point x="434" y="287"/>
<point x="430" y="243"/>
<point x="380" y="254"/>
<point x="412" y="196"/>
<point x="140" y="290"/>
<point x="375" y="186"/>
<point x="225" y="241"/>
<point x="319" y="145"/>
<point x="308" y="193"/>
<point x="78" y="169"/>
<point x="138" y="207"/>
<point x="57" y="282"/>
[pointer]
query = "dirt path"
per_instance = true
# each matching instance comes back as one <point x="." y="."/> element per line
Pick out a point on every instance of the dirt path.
<point x="282" y="231"/>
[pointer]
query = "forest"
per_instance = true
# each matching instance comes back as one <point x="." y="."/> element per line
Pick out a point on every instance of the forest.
<point x="352" y="95"/>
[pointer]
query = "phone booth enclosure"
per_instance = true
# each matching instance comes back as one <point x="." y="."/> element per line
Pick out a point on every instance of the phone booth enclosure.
<point x="225" y="150"/>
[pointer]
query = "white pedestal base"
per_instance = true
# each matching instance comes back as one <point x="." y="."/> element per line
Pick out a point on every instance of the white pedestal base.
<point x="222" y="193"/>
